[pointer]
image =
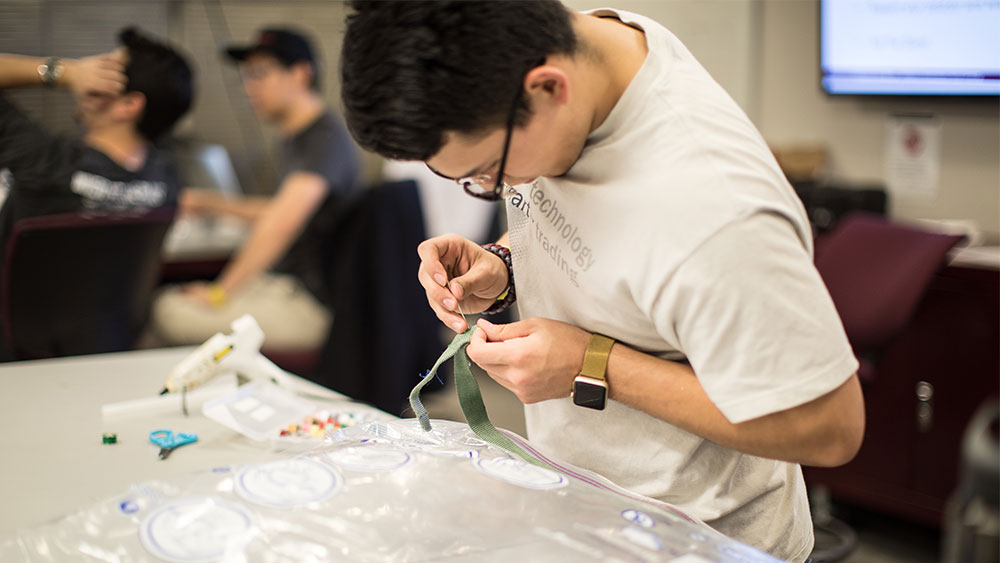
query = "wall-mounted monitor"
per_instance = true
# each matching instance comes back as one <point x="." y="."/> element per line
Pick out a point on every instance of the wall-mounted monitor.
<point x="910" y="47"/>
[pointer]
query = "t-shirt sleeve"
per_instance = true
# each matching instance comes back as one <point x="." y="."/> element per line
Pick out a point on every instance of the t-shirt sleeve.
<point x="755" y="320"/>
<point x="330" y="153"/>
<point x="28" y="150"/>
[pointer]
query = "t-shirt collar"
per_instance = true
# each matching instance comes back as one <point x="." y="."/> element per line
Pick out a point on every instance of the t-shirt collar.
<point x="627" y="104"/>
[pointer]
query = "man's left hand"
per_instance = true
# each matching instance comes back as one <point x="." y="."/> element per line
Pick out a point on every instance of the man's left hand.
<point x="537" y="359"/>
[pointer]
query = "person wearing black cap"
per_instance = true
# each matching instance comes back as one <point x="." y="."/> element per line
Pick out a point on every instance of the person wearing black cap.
<point x="276" y="275"/>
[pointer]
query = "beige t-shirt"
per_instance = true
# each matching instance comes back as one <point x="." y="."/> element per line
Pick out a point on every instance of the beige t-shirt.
<point x="677" y="234"/>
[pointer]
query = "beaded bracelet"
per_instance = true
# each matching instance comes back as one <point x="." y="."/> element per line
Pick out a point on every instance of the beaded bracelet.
<point x="507" y="298"/>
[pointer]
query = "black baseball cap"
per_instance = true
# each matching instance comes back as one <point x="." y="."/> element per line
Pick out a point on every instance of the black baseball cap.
<point x="286" y="45"/>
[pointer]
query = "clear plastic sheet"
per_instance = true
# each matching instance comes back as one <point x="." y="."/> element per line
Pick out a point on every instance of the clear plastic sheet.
<point x="380" y="491"/>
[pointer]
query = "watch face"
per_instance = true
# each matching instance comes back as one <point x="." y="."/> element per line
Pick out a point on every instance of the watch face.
<point x="590" y="395"/>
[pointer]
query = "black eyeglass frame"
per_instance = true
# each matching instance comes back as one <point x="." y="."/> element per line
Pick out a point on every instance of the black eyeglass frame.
<point x="497" y="193"/>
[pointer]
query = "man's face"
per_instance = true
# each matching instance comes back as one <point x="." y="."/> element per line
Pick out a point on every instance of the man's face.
<point x="270" y="85"/>
<point x="547" y="145"/>
<point x="93" y="111"/>
<point x="96" y="112"/>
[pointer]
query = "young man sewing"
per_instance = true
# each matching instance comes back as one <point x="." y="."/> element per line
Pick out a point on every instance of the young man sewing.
<point x="278" y="273"/>
<point x="645" y="209"/>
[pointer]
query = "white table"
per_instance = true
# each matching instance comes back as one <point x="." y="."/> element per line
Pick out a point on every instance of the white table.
<point x="54" y="464"/>
<point x="52" y="459"/>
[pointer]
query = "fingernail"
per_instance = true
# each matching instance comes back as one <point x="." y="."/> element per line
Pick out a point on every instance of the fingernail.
<point x="440" y="279"/>
<point x="449" y="304"/>
<point x="457" y="326"/>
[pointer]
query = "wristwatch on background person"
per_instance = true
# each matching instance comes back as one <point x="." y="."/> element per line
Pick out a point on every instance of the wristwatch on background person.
<point x="50" y="71"/>
<point x="590" y="388"/>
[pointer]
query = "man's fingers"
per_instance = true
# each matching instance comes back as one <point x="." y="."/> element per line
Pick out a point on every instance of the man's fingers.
<point x="498" y="345"/>
<point x="441" y="301"/>
<point x="431" y="253"/>
<point x="451" y="320"/>
<point x="436" y="294"/>
<point x="499" y="333"/>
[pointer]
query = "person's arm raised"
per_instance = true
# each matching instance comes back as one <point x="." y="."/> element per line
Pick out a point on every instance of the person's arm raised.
<point x="99" y="75"/>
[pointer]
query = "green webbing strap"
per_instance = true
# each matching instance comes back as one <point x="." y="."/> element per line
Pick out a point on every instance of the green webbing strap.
<point x="470" y="398"/>
<point x="459" y="343"/>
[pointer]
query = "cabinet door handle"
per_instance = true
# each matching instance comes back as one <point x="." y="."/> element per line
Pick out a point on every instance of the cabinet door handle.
<point x="925" y="406"/>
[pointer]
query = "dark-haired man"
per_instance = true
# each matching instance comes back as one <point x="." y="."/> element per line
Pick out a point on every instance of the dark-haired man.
<point x="650" y="233"/>
<point x="125" y="100"/>
<point x="277" y="275"/>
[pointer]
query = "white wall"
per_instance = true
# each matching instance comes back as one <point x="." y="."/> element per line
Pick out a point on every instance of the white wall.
<point x="766" y="54"/>
<point x="793" y="109"/>
<point x="718" y="32"/>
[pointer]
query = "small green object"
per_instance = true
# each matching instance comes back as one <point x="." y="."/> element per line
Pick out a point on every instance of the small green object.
<point x="110" y="438"/>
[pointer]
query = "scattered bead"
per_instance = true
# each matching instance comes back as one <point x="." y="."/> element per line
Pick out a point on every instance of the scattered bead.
<point x="316" y="425"/>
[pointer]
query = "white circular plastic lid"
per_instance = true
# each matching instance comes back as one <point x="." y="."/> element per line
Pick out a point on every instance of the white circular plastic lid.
<point x="638" y="517"/>
<point x="521" y="473"/>
<point x="373" y="457"/>
<point x="288" y="483"/>
<point x="196" y="529"/>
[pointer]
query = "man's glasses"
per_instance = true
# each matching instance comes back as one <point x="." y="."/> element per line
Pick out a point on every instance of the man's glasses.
<point x="486" y="186"/>
<point x="257" y="71"/>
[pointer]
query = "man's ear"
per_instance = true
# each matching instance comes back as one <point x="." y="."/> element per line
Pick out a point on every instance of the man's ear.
<point x="303" y="73"/>
<point x="547" y="84"/>
<point x="129" y="106"/>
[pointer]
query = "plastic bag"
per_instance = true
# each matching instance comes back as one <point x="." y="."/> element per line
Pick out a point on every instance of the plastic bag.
<point x="381" y="491"/>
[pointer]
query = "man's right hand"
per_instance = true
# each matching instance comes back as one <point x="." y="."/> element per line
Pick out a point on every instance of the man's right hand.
<point x="456" y="271"/>
<point x="99" y="76"/>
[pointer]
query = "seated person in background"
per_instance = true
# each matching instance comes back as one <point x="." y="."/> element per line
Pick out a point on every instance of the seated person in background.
<point x="277" y="274"/>
<point x="126" y="99"/>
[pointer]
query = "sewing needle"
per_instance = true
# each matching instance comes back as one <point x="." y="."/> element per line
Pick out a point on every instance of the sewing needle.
<point x="459" y="307"/>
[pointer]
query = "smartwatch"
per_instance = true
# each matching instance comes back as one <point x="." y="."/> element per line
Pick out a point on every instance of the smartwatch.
<point x="590" y="388"/>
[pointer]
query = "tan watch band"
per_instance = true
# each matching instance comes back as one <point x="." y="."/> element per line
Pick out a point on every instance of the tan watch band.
<point x="595" y="359"/>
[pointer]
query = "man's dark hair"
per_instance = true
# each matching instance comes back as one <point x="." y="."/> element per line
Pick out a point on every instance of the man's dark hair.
<point x="413" y="69"/>
<point x="163" y="76"/>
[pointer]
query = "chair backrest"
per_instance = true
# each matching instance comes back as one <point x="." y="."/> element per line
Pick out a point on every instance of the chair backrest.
<point x="876" y="272"/>
<point x="80" y="283"/>
<point x="385" y="335"/>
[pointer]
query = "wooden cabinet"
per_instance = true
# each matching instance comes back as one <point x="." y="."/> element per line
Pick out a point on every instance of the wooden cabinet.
<point x="919" y="396"/>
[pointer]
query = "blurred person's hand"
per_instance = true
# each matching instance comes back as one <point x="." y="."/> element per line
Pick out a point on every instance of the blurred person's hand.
<point x="97" y="77"/>
<point x="205" y="294"/>
<point x="456" y="271"/>
<point x="199" y="202"/>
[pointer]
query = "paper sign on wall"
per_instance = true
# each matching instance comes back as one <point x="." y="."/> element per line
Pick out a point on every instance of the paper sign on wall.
<point x="912" y="155"/>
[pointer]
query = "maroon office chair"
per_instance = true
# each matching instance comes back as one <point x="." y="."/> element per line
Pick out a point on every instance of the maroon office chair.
<point x="876" y="272"/>
<point x="80" y="283"/>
